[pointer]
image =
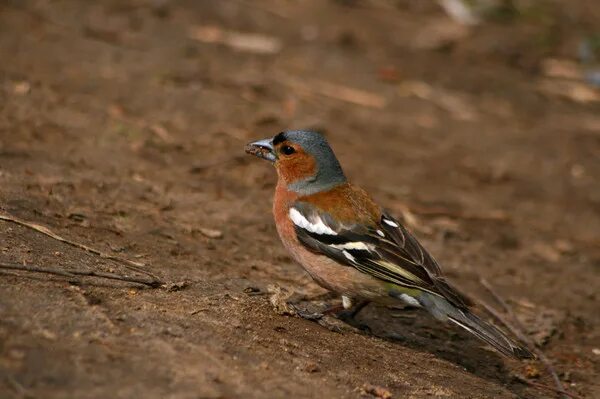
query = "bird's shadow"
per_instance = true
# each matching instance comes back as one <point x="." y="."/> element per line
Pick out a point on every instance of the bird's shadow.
<point x="416" y="329"/>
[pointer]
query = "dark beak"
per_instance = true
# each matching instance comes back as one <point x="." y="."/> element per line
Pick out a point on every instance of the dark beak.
<point x="262" y="149"/>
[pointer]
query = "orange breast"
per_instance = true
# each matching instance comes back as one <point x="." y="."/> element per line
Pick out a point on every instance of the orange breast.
<point x="325" y="271"/>
<point x="347" y="203"/>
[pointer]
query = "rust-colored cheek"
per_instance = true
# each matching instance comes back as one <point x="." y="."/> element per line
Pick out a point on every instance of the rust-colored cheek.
<point x="299" y="167"/>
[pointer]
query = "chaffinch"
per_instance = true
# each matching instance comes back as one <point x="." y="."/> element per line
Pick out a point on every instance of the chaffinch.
<point x="350" y="245"/>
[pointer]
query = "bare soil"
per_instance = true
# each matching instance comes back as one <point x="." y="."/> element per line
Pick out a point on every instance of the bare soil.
<point x="122" y="127"/>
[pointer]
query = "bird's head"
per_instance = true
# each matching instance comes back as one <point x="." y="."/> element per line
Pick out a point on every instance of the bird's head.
<point x="303" y="159"/>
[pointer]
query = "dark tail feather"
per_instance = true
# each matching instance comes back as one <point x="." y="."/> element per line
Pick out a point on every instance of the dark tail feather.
<point x="489" y="334"/>
<point x="444" y="310"/>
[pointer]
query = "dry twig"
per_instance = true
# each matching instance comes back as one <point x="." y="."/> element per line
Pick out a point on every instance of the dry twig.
<point x="241" y="41"/>
<point x="74" y="273"/>
<point x="494" y="215"/>
<point x="135" y="266"/>
<point x="19" y="389"/>
<point x="348" y="94"/>
<point x="548" y="388"/>
<point x="517" y="328"/>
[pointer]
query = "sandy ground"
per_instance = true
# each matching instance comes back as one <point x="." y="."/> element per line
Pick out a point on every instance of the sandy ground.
<point x="122" y="127"/>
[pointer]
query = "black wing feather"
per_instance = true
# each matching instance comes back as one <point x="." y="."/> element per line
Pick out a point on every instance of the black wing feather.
<point x="390" y="247"/>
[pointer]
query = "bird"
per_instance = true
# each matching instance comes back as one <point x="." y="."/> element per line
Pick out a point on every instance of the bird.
<point x="352" y="246"/>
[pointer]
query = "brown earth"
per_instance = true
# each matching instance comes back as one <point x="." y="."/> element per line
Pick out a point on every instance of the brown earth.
<point x="122" y="127"/>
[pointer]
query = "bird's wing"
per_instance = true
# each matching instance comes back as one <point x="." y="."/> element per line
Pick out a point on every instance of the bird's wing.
<point x="384" y="249"/>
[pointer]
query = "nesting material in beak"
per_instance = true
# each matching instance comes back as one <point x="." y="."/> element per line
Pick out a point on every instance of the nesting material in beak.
<point x="262" y="149"/>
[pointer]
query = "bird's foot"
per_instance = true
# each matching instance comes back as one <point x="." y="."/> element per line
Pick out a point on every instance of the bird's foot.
<point x="335" y="318"/>
<point x="339" y="317"/>
<point x="305" y="313"/>
<point x="324" y="318"/>
<point x="347" y="312"/>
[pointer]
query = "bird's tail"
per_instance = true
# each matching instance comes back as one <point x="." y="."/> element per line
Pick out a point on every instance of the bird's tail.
<point x="441" y="309"/>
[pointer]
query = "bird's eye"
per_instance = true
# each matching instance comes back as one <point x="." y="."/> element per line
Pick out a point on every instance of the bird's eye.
<point x="288" y="150"/>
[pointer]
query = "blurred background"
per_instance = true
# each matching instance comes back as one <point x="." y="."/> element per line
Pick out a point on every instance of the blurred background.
<point x="123" y="124"/>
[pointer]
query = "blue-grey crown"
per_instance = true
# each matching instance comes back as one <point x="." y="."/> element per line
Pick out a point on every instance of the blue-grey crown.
<point x="329" y="171"/>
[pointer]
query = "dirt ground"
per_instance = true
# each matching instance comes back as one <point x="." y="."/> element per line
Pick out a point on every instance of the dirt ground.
<point x="122" y="127"/>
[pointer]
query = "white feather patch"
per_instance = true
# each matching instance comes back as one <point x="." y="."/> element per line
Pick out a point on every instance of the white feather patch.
<point x="381" y="233"/>
<point x="409" y="300"/>
<point x="349" y="256"/>
<point x="346" y="302"/>
<point x="318" y="227"/>
<point x="390" y="222"/>
<point x="351" y="245"/>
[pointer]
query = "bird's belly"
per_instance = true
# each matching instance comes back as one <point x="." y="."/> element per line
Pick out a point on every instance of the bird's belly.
<point x="326" y="272"/>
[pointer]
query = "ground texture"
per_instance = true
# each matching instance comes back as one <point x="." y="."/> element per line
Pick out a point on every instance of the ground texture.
<point x="122" y="127"/>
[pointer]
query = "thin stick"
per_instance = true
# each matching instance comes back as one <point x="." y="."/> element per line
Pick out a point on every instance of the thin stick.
<point x="336" y="91"/>
<point x="136" y="266"/>
<point x="73" y="273"/>
<point x="497" y="216"/>
<point x="547" y="387"/>
<point x="18" y="388"/>
<point x="518" y="329"/>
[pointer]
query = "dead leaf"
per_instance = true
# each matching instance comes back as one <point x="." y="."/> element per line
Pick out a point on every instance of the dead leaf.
<point x="540" y="322"/>
<point x="312" y="367"/>
<point x="388" y="74"/>
<point x="564" y="246"/>
<point x="335" y="91"/>
<point x="545" y="251"/>
<point x="352" y="95"/>
<point x="21" y="88"/>
<point x="557" y="68"/>
<point x="210" y="233"/>
<point x="591" y="123"/>
<point x="376" y="391"/>
<point x="241" y="41"/>
<point x="280" y="298"/>
<point x="571" y="90"/>
<point x="457" y="104"/>
<point x="162" y="133"/>
<point x="439" y="33"/>
<point x="531" y="371"/>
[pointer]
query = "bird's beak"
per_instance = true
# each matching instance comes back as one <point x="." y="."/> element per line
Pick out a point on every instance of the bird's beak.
<point x="262" y="149"/>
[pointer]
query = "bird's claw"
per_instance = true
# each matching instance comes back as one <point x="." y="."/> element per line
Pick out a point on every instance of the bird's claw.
<point x="305" y="314"/>
<point x="334" y="318"/>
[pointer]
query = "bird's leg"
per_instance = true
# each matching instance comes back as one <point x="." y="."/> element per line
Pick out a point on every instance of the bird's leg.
<point x="350" y="309"/>
<point x="345" y="311"/>
<point x="334" y="309"/>
<point x="304" y="306"/>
